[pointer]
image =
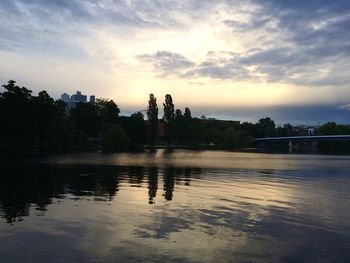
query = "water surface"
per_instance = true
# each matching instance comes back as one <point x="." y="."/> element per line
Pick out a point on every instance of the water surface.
<point x="180" y="206"/>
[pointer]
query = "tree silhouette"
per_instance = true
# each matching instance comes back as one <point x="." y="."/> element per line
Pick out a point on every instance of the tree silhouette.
<point x="152" y="115"/>
<point x="85" y="118"/>
<point x="135" y="129"/>
<point x="107" y="110"/>
<point x="266" y="127"/>
<point x="113" y="138"/>
<point x="169" y="118"/>
<point x="187" y="114"/>
<point x="16" y="113"/>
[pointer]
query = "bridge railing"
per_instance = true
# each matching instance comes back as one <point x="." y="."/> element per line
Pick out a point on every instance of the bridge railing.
<point x="318" y="138"/>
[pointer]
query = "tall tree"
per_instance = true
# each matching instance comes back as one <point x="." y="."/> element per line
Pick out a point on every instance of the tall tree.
<point x="178" y="114"/>
<point x="169" y="118"/>
<point x="187" y="114"/>
<point x="152" y="114"/>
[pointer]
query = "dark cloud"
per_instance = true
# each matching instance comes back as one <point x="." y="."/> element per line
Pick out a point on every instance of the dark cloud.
<point x="50" y="8"/>
<point x="220" y="65"/>
<point x="168" y="62"/>
<point x="297" y="42"/>
<point x="315" y="37"/>
<point x="216" y="65"/>
<point x="256" y="23"/>
<point x="8" y="6"/>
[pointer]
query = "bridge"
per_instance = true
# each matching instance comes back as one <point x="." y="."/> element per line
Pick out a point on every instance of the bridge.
<point x="313" y="140"/>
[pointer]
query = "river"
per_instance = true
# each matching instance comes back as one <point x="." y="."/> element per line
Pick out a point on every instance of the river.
<point x="176" y="206"/>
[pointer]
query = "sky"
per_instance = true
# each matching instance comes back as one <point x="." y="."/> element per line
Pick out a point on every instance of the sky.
<point x="230" y="59"/>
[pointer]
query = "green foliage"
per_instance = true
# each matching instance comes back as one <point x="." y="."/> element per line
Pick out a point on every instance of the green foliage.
<point x="249" y="128"/>
<point x="286" y="130"/>
<point x="228" y="138"/>
<point x="113" y="138"/>
<point x="331" y="128"/>
<point x="266" y="127"/>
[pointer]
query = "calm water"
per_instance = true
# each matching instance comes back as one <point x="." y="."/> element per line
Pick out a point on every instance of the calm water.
<point x="181" y="206"/>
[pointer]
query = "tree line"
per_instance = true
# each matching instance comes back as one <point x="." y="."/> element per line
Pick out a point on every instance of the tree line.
<point x="40" y="124"/>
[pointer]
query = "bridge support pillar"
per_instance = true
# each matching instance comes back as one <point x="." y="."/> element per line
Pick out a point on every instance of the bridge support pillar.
<point x="290" y="147"/>
<point x="314" y="147"/>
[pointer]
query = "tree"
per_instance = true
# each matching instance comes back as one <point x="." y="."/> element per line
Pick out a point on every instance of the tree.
<point x="135" y="128"/>
<point x="17" y="131"/>
<point x="331" y="128"/>
<point x="187" y="114"/>
<point x="152" y="115"/>
<point x="179" y="125"/>
<point x="178" y="114"/>
<point x="27" y="120"/>
<point x="266" y="127"/>
<point x="43" y="107"/>
<point x="249" y="128"/>
<point x="62" y="136"/>
<point x="113" y="138"/>
<point x="286" y="130"/>
<point x="169" y="118"/>
<point x="107" y="110"/>
<point x="85" y="118"/>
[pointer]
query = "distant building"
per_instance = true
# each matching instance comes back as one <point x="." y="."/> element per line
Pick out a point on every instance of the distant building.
<point x="310" y="131"/>
<point x="71" y="101"/>
<point x="222" y="122"/>
<point x="78" y="97"/>
<point x="65" y="97"/>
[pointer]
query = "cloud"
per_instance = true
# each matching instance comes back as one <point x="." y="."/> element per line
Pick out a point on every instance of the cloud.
<point x="311" y="45"/>
<point x="344" y="107"/>
<point x="167" y="62"/>
<point x="243" y="47"/>
<point x="215" y="65"/>
<point x="295" y="43"/>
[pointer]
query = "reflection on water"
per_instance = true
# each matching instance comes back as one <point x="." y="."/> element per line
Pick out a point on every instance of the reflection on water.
<point x="39" y="186"/>
<point x="180" y="206"/>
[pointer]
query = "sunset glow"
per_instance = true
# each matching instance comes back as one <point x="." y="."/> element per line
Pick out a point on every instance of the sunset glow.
<point x="250" y="54"/>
